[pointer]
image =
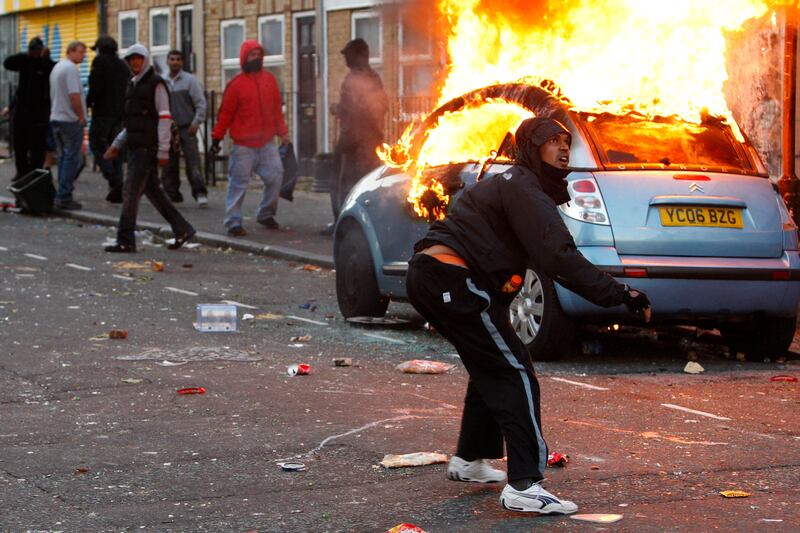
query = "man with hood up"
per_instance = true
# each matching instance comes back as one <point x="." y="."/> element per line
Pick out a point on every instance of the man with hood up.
<point x="108" y="80"/>
<point x="146" y="137"/>
<point x="361" y="109"/>
<point x="251" y="110"/>
<point x="460" y="280"/>
<point x="31" y="111"/>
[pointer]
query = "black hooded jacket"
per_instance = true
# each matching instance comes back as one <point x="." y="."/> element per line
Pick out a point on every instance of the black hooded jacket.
<point x="108" y="81"/>
<point x="507" y="223"/>
<point x="32" y="99"/>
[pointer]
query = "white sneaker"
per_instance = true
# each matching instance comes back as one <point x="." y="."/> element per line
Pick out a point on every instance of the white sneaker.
<point x="202" y="201"/>
<point x="535" y="499"/>
<point x="477" y="471"/>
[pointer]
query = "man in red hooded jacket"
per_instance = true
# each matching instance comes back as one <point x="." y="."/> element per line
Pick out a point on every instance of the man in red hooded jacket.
<point x="251" y="111"/>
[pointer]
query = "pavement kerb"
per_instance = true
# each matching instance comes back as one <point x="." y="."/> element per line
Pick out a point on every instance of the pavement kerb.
<point x="210" y="239"/>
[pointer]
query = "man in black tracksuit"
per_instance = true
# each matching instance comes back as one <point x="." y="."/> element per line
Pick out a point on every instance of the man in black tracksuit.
<point x="497" y="229"/>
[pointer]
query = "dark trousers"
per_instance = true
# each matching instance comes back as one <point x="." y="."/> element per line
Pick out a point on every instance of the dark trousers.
<point x="142" y="179"/>
<point x="170" y="175"/>
<point x="502" y="400"/>
<point x="102" y="133"/>
<point x="350" y="163"/>
<point x="30" y="144"/>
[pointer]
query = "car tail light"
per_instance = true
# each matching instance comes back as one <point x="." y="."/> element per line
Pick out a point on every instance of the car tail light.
<point x="586" y="203"/>
<point x="633" y="272"/>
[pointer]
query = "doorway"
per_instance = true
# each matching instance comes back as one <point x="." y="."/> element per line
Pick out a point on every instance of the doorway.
<point x="305" y="108"/>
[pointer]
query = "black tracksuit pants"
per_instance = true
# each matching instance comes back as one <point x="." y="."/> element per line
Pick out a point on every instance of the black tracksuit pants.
<point x="502" y="400"/>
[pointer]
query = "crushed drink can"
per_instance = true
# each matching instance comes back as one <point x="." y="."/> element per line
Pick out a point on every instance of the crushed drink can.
<point x="557" y="459"/>
<point x="299" y="370"/>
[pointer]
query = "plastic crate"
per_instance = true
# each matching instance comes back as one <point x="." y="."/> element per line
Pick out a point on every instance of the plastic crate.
<point x="34" y="192"/>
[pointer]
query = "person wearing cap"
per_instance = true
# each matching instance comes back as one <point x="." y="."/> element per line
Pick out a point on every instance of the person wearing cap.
<point x="361" y="110"/>
<point x="108" y="79"/>
<point x="458" y="280"/>
<point x="146" y="137"/>
<point x="251" y="109"/>
<point x="30" y="115"/>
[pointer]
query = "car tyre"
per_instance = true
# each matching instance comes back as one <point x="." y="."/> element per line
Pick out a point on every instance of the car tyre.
<point x="539" y="321"/>
<point x="769" y="337"/>
<point x="356" y="286"/>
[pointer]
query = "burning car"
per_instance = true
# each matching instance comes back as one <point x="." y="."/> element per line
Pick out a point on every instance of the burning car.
<point x="683" y="210"/>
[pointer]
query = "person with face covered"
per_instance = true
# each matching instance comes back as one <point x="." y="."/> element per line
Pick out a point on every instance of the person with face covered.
<point x="458" y="280"/>
<point x="251" y="110"/>
<point x="146" y="137"/>
<point x="361" y="110"/>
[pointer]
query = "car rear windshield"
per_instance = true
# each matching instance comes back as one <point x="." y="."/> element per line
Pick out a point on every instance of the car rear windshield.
<point x="635" y="142"/>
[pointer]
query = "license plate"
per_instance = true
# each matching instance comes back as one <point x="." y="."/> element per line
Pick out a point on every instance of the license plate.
<point x="714" y="217"/>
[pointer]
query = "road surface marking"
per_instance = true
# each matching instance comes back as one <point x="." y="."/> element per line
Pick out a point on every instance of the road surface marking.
<point x="3" y="249"/>
<point x="78" y="267"/>
<point x="578" y="384"/>
<point x="34" y="256"/>
<point x="383" y="338"/>
<point x="181" y="291"/>
<point x="687" y="410"/>
<point x="231" y="302"/>
<point x="317" y="322"/>
<point x="119" y="276"/>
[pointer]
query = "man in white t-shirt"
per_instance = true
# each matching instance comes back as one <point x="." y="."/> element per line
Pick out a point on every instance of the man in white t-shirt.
<point x="68" y="117"/>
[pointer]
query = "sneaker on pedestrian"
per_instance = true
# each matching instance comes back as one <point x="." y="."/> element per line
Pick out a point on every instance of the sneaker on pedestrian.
<point x="120" y="249"/>
<point x="237" y="231"/>
<point x="114" y="195"/>
<point x="535" y="499"/>
<point x="270" y="223"/>
<point x="477" y="471"/>
<point x="202" y="200"/>
<point x="68" y="205"/>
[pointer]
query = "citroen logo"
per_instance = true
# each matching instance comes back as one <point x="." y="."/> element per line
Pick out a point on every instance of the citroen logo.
<point x="694" y="187"/>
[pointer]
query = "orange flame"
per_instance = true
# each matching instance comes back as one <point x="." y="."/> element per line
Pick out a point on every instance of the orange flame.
<point x="653" y="57"/>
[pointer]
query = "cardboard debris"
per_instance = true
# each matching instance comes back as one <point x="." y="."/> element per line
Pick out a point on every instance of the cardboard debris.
<point x="342" y="361"/>
<point x="598" y="518"/>
<point x="132" y="381"/>
<point x="734" y="494"/>
<point x="269" y="316"/>
<point x="248" y="316"/>
<point x="423" y="366"/>
<point x="693" y="368"/>
<point x="117" y="334"/>
<point x="300" y="338"/>
<point x="311" y="268"/>
<point x="413" y="459"/>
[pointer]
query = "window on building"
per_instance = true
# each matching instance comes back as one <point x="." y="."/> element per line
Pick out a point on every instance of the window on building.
<point x="367" y="25"/>
<point x="232" y="37"/>
<point x="271" y="37"/>
<point x="415" y="38"/>
<point x="159" y="38"/>
<point x="184" y="36"/>
<point x="128" y="29"/>
<point x="417" y="70"/>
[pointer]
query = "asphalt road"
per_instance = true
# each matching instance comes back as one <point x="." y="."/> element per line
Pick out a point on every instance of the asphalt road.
<point x="93" y="436"/>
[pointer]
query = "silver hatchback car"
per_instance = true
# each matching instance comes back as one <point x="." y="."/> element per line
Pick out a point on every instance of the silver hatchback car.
<point x="684" y="211"/>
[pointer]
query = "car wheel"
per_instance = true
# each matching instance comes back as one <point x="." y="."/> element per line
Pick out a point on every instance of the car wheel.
<point x="539" y="321"/>
<point x="356" y="286"/>
<point x="768" y="337"/>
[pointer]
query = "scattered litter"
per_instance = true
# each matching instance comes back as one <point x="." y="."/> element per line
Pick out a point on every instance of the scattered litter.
<point x="311" y="305"/>
<point x="192" y="245"/>
<point x="594" y="467"/>
<point x="156" y="266"/>
<point x="248" y="316"/>
<point x="300" y="338"/>
<point x="302" y="369"/>
<point x="171" y="363"/>
<point x="216" y="317"/>
<point x="342" y="361"/>
<point x="734" y="494"/>
<point x="406" y="528"/>
<point x="423" y="366"/>
<point x="192" y="354"/>
<point x="297" y="345"/>
<point x="81" y="470"/>
<point x="771" y="520"/>
<point x="191" y="390"/>
<point x="789" y="379"/>
<point x="118" y="334"/>
<point x="380" y="322"/>
<point x="557" y="459"/>
<point x="187" y="265"/>
<point x="268" y="316"/>
<point x="292" y="467"/>
<point x="101" y="337"/>
<point x="132" y="381"/>
<point x="413" y="459"/>
<point x="693" y="368"/>
<point x="598" y="518"/>
<point x="311" y="268"/>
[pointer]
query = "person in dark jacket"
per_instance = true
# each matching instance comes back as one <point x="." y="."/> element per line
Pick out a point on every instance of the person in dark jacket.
<point x="108" y="79"/>
<point x="31" y="112"/>
<point x="458" y="280"/>
<point x="361" y="110"/>
<point x="146" y="137"/>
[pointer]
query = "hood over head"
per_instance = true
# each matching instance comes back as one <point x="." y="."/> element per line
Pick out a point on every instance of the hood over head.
<point x="105" y="44"/>
<point x="139" y="50"/>
<point x="356" y="53"/>
<point x="35" y="44"/>
<point x="532" y="134"/>
<point x="247" y="47"/>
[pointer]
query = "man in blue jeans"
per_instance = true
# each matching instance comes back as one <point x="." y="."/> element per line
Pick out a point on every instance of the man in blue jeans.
<point x="68" y="118"/>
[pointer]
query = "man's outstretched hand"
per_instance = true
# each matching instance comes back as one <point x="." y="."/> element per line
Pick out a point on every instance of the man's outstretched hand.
<point x="637" y="302"/>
